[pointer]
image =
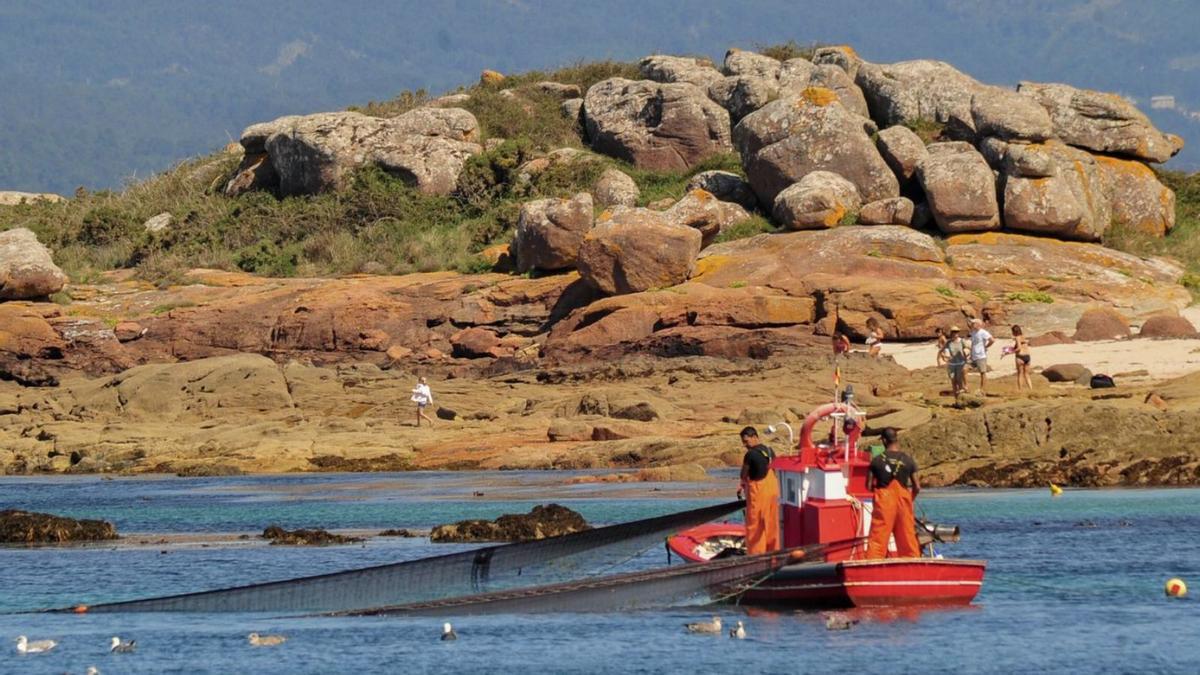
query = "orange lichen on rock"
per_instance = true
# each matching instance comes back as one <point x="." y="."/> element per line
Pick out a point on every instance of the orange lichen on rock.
<point x="818" y="96"/>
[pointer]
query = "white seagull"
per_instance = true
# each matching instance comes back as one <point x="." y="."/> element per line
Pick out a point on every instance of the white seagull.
<point x="448" y="632"/>
<point x="739" y="632"/>
<point x="24" y="646"/>
<point x="92" y="670"/>
<point x="119" y="647"/>
<point x="265" y="640"/>
<point x="710" y="627"/>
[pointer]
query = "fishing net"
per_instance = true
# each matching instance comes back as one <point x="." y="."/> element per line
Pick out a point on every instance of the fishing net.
<point x="480" y="570"/>
<point x="663" y="587"/>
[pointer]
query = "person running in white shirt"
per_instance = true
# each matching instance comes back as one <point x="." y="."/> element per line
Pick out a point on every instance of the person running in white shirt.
<point x="981" y="340"/>
<point x="423" y="397"/>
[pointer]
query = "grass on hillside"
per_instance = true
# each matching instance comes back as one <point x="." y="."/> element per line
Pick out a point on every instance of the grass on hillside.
<point x="1183" y="242"/>
<point x="377" y="224"/>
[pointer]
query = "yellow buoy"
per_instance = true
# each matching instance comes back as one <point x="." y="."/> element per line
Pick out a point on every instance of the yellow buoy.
<point x="1175" y="588"/>
<point x="1055" y="490"/>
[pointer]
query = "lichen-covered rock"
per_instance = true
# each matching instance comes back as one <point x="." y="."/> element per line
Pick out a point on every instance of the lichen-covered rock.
<point x="819" y="200"/>
<point x="742" y="62"/>
<point x="724" y="185"/>
<point x="836" y="80"/>
<point x="842" y="56"/>
<point x="26" y="269"/>
<point x="15" y="198"/>
<point x="1139" y="201"/>
<point x="1072" y="203"/>
<point x="892" y="211"/>
<point x="427" y="147"/>
<point x="701" y="210"/>
<point x="156" y="224"/>
<point x="960" y="188"/>
<point x="741" y="95"/>
<point x="664" y="68"/>
<point x="615" y="188"/>
<point x="792" y="137"/>
<point x="550" y="231"/>
<point x="541" y="522"/>
<point x="1102" y="122"/>
<point x="922" y="90"/>
<point x="27" y="527"/>
<point x="634" y="250"/>
<point x="903" y="150"/>
<point x="654" y="125"/>
<point x="1009" y="115"/>
<point x="572" y="109"/>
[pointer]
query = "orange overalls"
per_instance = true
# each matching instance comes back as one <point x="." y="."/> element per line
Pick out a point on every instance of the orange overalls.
<point x="892" y="514"/>
<point x="762" y="514"/>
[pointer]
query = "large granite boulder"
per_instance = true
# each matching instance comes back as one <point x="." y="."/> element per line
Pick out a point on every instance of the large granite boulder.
<point x="652" y="125"/>
<point x="842" y="56"/>
<point x="26" y="269"/>
<point x="835" y="79"/>
<point x="1139" y="200"/>
<point x="960" y="188"/>
<point x="427" y="147"/>
<point x="742" y="62"/>
<point x="1168" y="326"/>
<point x="1009" y="115"/>
<point x="891" y="211"/>
<point x="1100" y="323"/>
<point x="741" y="95"/>
<point x="790" y="138"/>
<point x="550" y="231"/>
<point x="724" y="185"/>
<point x="701" y="210"/>
<point x="922" y="90"/>
<point x="819" y="200"/>
<point x="615" y="188"/>
<point x="634" y="250"/>
<point x="1056" y="190"/>
<point x="1102" y="122"/>
<point x="903" y="150"/>
<point x="664" y="68"/>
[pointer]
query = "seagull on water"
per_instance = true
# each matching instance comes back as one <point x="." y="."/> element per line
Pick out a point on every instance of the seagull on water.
<point x="92" y="670"/>
<point x="257" y="640"/>
<point x="739" y="632"/>
<point x="448" y="632"/>
<point x="24" y="646"/>
<point x="711" y="627"/>
<point x="119" y="647"/>
<point x="837" y="621"/>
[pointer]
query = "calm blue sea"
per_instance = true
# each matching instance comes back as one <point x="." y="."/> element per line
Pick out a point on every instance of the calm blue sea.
<point x="1074" y="584"/>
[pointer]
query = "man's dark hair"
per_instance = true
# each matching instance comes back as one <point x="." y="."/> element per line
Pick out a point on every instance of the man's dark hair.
<point x="748" y="432"/>
<point x="889" y="435"/>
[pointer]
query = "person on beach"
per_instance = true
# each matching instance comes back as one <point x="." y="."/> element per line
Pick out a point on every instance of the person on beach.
<point x="954" y="353"/>
<point x="942" y="339"/>
<point x="894" y="485"/>
<point x="874" y="337"/>
<point x="761" y="490"/>
<point x="423" y="397"/>
<point x="1020" y="351"/>
<point x="841" y="344"/>
<point x="981" y="341"/>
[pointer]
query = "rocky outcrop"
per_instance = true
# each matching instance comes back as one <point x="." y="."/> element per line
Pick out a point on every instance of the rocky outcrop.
<point x="960" y="188"/>
<point x="633" y="250"/>
<point x="667" y="69"/>
<point x="1009" y="115"/>
<point x="1139" y="201"/>
<point x="790" y="138"/>
<point x="726" y="186"/>
<point x="615" y="188"/>
<point x="700" y="210"/>
<point x="1102" y="122"/>
<point x="14" y="198"/>
<point x="835" y="79"/>
<point x="903" y="150"/>
<point x="893" y="211"/>
<point x="426" y="147"/>
<point x="742" y="62"/>
<point x="541" y="522"/>
<point x="26" y="268"/>
<point x="306" y="537"/>
<point x="27" y="527"/>
<point x="654" y="125"/>
<point x="842" y="56"/>
<point x="1056" y="190"/>
<point x="741" y="95"/>
<point x="819" y="200"/>
<point x="920" y="91"/>
<point x="550" y="231"/>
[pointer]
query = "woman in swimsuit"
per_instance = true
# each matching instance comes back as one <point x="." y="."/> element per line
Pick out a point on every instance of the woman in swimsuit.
<point x="942" y="339"/>
<point x="874" y="337"/>
<point x="1020" y="349"/>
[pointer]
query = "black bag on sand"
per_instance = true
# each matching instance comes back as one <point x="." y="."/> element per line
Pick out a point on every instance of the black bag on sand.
<point x="1102" y="381"/>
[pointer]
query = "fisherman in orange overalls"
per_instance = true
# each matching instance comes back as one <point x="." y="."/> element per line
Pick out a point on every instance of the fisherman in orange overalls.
<point x="893" y="480"/>
<point x="761" y="489"/>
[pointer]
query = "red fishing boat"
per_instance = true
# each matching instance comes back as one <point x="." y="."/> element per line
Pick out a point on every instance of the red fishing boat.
<point x="824" y="500"/>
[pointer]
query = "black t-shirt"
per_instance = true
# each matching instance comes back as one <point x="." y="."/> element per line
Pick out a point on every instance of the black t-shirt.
<point x="889" y="466"/>
<point x="758" y="460"/>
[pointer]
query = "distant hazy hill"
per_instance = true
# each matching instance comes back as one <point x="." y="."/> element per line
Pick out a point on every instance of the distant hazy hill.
<point x="92" y="96"/>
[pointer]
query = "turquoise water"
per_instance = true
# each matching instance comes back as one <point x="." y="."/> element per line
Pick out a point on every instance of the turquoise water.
<point x="1074" y="584"/>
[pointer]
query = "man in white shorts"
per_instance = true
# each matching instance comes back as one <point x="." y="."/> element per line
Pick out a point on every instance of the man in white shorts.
<point x="981" y="340"/>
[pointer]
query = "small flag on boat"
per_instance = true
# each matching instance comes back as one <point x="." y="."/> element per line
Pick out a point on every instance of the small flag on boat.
<point x="837" y="376"/>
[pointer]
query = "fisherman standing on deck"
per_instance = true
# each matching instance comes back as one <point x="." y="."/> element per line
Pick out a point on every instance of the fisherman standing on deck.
<point x="893" y="480"/>
<point x="761" y="489"/>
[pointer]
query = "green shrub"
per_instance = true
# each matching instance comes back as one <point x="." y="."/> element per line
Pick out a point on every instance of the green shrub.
<point x="1031" y="296"/>
<point x="750" y="227"/>
<point x="946" y="291"/>
<point x="928" y="130"/>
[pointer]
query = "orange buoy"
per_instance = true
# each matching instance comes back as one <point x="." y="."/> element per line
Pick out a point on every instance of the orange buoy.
<point x="80" y="609"/>
<point x="1175" y="588"/>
